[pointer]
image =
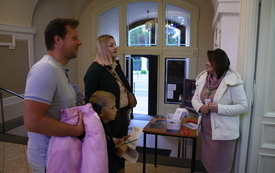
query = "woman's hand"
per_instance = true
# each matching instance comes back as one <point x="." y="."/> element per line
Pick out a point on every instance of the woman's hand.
<point x="213" y="107"/>
<point x="204" y="109"/>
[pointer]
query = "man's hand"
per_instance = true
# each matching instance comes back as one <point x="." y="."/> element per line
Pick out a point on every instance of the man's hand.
<point x="80" y="124"/>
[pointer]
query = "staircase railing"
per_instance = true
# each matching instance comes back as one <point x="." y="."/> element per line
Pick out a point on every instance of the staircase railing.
<point x="2" y="105"/>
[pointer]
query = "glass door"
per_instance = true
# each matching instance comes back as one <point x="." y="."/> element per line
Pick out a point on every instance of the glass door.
<point x="142" y="75"/>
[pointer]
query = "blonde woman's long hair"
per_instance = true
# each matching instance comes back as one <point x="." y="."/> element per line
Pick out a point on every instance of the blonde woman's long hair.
<point x="103" y="57"/>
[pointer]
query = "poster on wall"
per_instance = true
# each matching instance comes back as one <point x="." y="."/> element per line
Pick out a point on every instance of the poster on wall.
<point x="188" y="90"/>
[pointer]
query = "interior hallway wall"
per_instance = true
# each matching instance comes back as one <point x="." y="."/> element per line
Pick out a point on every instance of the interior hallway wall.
<point x="14" y="67"/>
<point x="16" y="12"/>
<point x="14" y="62"/>
<point x="37" y="14"/>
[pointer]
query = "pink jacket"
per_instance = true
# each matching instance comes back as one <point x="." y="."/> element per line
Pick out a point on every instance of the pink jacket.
<point x="70" y="155"/>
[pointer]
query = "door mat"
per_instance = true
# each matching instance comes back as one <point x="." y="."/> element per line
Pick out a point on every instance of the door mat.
<point x="162" y="152"/>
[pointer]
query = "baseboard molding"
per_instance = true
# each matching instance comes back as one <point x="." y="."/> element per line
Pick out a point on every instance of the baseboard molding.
<point x="162" y="152"/>
<point x="13" y="139"/>
<point x="11" y="124"/>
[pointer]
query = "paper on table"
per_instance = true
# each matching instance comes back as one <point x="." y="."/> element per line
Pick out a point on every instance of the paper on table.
<point x="180" y="113"/>
<point x="131" y="154"/>
<point x="191" y="125"/>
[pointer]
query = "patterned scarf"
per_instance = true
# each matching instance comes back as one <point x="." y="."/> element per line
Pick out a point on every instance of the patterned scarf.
<point x="211" y="83"/>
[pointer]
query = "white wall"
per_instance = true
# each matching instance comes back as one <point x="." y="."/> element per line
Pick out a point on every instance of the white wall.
<point x="230" y="37"/>
<point x="17" y="12"/>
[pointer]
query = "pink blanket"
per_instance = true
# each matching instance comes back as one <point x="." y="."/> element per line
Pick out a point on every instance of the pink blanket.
<point x="70" y="155"/>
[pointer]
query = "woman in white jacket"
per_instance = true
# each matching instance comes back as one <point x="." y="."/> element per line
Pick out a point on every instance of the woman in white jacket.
<point x="219" y="99"/>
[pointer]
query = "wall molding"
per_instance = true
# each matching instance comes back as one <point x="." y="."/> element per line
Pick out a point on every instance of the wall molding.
<point x="267" y="140"/>
<point x="266" y="162"/>
<point x="19" y="33"/>
<point x="225" y="8"/>
<point x="17" y="29"/>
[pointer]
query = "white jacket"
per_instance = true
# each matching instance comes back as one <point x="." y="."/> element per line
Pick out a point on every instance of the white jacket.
<point x="231" y="100"/>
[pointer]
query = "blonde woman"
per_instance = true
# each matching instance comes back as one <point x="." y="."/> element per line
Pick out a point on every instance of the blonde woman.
<point x="105" y="74"/>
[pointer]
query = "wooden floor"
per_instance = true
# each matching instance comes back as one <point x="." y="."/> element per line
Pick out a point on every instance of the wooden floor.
<point x="13" y="155"/>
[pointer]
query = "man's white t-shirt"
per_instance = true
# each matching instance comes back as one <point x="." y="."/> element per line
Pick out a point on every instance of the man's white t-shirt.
<point x="47" y="82"/>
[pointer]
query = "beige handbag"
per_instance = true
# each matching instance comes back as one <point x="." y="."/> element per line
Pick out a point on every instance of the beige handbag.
<point x="131" y="100"/>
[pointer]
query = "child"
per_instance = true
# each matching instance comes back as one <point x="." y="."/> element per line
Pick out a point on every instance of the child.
<point x="104" y="104"/>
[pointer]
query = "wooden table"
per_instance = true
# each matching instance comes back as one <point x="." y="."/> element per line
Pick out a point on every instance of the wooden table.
<point x="183" y="133"/>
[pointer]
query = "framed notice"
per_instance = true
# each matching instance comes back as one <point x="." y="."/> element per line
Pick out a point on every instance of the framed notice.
<point x="175" y="71"/>
<point x="189" y="87"/>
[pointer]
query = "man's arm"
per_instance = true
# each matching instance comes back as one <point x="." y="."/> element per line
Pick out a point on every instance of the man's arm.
<point x="36" y="121"/>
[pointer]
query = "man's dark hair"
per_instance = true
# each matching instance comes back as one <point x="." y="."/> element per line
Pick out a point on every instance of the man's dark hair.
<point x="219" y="61"/>
<point x="58" y="27"/>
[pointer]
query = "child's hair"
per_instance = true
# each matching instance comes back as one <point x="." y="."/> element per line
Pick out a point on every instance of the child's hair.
<point x="100" y="99"/>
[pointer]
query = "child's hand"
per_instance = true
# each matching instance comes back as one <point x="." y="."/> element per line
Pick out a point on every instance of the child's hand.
<point x="121" y="148"/>
<point x="125" y="137"/>
<point x="118" y="140"/>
